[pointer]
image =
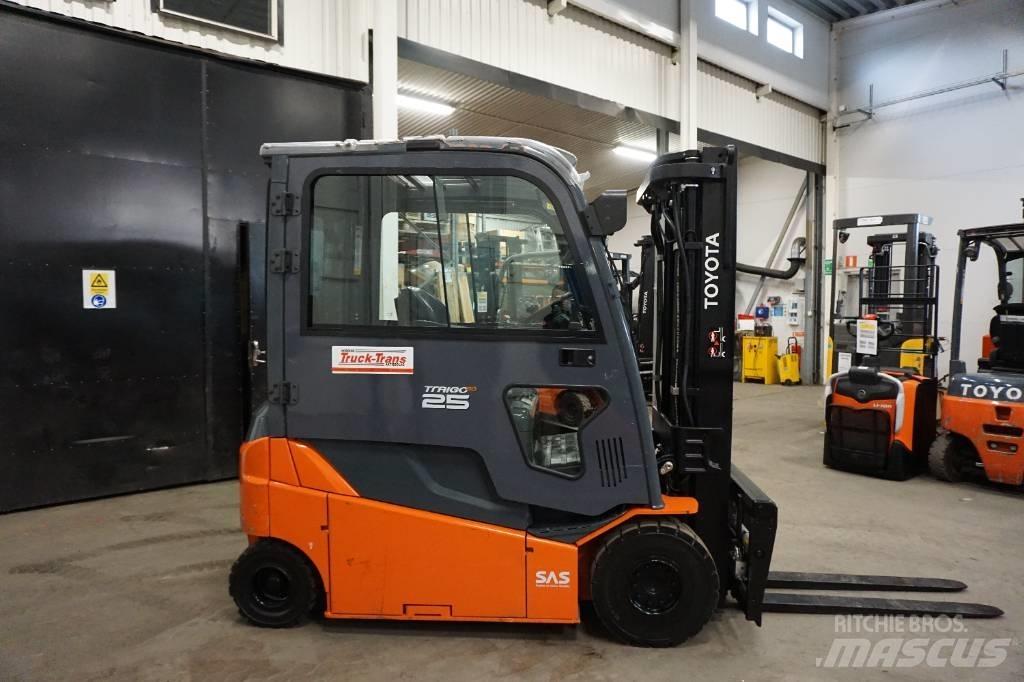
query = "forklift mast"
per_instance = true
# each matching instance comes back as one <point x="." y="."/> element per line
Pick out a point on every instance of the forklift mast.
<point x="691" y="197"/>
<point x="1007" y="244"/>
<point x="902" y="297"/>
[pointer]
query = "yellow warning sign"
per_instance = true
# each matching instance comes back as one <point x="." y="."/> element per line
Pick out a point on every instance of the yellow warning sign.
<point x="99" y="284"/>
<point x="99" y="289"/>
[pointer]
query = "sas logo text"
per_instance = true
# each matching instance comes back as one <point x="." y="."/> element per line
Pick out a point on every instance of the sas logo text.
<point x="447" y="397"/>
<point x="552" y="578"/>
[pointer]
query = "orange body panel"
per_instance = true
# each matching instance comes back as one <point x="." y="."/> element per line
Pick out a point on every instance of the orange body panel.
<point x="299" y="517"/>
<point x="397" y="563"/>
<point x="253" y="480"/>
<point x="1000" y="453"/>
<point x="552" y="580"/>
<point x="282" y="469"/>
<point x="674" y="506"/>
<point x="314" y="472"/>
<point x="386" y="559"/>
<point x="906" y="433"/>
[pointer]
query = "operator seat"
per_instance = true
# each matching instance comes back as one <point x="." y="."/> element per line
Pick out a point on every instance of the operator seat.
<point x="1007" y="332"/>
<point x="417" y="308"/>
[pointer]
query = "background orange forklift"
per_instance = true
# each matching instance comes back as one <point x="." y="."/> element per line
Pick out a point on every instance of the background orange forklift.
<point x="983" y="412"/>
<point x="456" y="426"/>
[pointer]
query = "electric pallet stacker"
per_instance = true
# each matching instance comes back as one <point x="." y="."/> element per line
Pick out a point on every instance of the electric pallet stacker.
<point x="983" y="412"/>
<point x="430" y="454"/>
<point x="880" y="406"/>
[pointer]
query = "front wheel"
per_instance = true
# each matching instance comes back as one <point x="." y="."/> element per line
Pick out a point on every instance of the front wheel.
<point x="273" y="585"/>
<point x="654" y="583"/>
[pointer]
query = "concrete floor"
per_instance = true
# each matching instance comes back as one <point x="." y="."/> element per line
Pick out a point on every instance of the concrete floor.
<point x="136" y="587"/>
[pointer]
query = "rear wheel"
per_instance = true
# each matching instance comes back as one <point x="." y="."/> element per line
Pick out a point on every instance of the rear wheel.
<point x="274" y="585"/>
<point x="948" y="458"/>
<point x="654" y="583"/>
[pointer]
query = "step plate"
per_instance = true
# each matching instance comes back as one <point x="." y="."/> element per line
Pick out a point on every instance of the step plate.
<point x="793" y="580"/>
<point x="785" y="602"/>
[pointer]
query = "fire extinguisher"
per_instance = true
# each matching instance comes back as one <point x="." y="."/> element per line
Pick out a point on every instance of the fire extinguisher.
<point x="792" y="346"/>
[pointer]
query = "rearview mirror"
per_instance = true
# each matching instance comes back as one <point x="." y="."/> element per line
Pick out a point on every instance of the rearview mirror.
<point x="606" y="214"/>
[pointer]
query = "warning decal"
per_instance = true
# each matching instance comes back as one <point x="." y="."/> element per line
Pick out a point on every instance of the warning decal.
<point x="99" y="289"/>
<point x="371" y="360"/>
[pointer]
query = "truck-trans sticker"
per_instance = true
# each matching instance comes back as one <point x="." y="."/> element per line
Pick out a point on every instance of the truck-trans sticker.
<point x="447" y="397"/>
<point x="711" y="267"/>
<point x="371" y="360"/>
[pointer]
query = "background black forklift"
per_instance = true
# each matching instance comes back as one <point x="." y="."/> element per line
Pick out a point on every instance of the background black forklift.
<point x="983" y="412"/>
<point x="880" y="402"/>
<point x="663" y="526"/>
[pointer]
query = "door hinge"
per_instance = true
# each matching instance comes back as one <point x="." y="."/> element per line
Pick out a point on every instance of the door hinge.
<point x="284" y="261"/>
<point x="284" y="203"/>
<point x="284" y="393"/>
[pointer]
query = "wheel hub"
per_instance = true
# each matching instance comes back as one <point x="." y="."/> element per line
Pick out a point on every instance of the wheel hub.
<point x="270" y="587"/>
<point x="655" y="586"/>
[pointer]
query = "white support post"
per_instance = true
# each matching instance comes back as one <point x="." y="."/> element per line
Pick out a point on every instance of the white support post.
<point x="687" y="58"/>
<point x="831" y="204"/>
<point x="385" y="69"/>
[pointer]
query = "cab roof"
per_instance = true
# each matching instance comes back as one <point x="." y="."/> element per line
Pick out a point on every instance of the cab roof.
<point x="1006" y="240"/>
<point x="559" y="160"/>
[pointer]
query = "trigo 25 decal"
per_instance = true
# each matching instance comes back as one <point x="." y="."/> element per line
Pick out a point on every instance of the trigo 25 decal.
<point x="447" y="397"/>
<point x="371" y="360"/>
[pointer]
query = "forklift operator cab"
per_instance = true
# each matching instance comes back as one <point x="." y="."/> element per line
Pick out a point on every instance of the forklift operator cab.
<point x="456" y="426"/>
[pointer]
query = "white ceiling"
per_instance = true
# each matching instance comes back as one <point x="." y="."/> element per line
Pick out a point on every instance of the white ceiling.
<point x="484" y="108"/>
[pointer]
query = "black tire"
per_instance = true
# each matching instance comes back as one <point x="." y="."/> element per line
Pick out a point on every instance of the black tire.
<point x="274" y="585"/>
<point x="654" y="583"/>
<point x="947" y="459"/>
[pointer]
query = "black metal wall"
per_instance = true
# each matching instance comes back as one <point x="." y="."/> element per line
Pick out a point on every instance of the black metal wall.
<point x="121" y="153"/>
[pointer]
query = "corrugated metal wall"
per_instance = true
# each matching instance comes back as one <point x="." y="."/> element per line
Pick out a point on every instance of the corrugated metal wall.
<point x="321" y="36"/>
<point x="584" y="52"/>
<point x="574" y="49"/>
<point x="726" y="104"/>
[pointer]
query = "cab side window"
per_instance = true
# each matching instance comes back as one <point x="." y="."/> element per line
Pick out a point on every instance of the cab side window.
<point x="481" y="252"/>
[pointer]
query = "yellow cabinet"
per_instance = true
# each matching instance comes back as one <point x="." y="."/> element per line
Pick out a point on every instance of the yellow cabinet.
<point x="759" y="359"/>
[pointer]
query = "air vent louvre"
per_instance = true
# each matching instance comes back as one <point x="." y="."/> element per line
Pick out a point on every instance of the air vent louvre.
<point x="611" y="462"/>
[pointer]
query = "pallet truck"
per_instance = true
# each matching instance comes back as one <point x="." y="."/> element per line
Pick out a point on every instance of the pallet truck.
<point x="982" y="425"/>
<point x="430" y="454"/>
<point x="880" y="406"/>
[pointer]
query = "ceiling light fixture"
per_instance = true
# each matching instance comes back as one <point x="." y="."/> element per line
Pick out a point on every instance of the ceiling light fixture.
<point x="425" y="105"/>
<point x="635" y="154"/>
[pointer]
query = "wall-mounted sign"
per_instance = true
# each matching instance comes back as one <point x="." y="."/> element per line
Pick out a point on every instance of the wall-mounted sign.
<point x="99" y="289"/>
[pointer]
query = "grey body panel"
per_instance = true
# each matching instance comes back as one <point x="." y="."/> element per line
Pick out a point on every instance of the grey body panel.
<point x="451" y="481"/>
<point x="1002" y="386"/>
<point x="385" y="409"/>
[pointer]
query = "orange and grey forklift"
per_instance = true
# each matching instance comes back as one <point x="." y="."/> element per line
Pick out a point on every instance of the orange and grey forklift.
<point x="982" y="424"/>
<point x="880" y="404"/>
<point x="456" y="426"/>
